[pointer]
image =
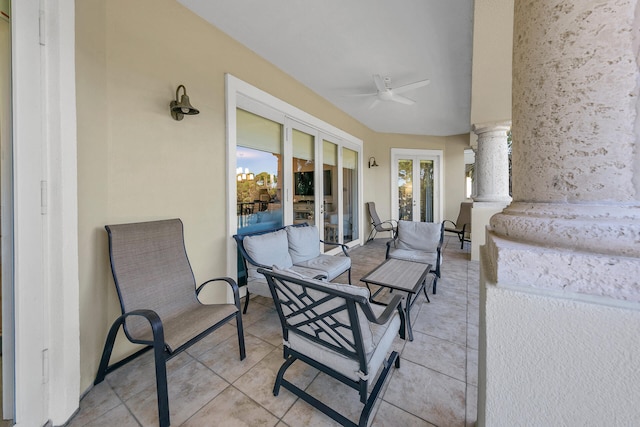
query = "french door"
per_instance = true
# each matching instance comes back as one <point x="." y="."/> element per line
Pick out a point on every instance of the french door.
<point x="416" y="178"/>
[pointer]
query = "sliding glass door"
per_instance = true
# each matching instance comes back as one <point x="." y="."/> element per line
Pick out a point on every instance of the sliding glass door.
<point x="287" y="172"/>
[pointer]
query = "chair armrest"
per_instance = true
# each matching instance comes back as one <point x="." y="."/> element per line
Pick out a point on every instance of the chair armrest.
<point x="342" y="246"/>
<point x="154" y="320"/>
<point x="386" y="314"/>
<point x="230" y="282"/>
<point x="448" y="220"/>
<point x="389" y="242"/>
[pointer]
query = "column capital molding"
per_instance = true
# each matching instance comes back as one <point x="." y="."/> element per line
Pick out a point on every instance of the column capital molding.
<point x="502" y="126"/>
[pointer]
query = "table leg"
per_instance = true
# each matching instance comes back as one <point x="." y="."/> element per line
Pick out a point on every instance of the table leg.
<point x="408" y="313"/>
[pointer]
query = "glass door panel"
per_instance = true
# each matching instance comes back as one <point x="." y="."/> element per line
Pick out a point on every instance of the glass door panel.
<point x="350" y="213"/>
<point x="330" y="193"/>
<point x="426" y="190"/>
<point x="405" y="190"/>
<point x="258" y="173"/>
<point x="303" y="179"/>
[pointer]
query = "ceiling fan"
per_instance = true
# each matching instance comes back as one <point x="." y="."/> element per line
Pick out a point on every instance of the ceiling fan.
<point x="387" y="93"/>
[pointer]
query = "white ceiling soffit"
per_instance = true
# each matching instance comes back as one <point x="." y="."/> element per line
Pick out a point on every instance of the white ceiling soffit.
<point x="334" y="47"/>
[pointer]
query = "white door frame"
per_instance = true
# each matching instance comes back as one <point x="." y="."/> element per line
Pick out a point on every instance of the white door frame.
<point x="6" y="241"/>
<point x="47" y="344"/>
<point x="438" y="172"/>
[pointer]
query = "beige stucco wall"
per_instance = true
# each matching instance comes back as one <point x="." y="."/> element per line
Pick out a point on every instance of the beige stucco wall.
<point x="492" y="53"/>
<point x="136" y="163"/>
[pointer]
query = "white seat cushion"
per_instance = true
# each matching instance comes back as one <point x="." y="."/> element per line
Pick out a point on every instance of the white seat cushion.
<point x="267" y="249"/>
<point x="332" y="266"/>
<point x="418" y="236"/>
<point x="304" y="243"/>
<point x="415" y="256"/>
<point x="384" y="335"/>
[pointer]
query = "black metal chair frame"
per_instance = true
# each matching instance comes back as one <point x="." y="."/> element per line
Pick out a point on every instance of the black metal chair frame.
<point x="162" y="353"/>
<point x="436" y="269"/>
<point x="354" y="350"/>
<point x="242" y="281"/>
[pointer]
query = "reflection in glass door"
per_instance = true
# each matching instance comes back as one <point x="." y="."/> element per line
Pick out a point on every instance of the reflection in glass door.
<point x="350" y="213"/>
<point x="415" y="204"/>
<point x="426" y="190"/>
<point x="303" y="179"/>
<point x="330" y="193"/>
<point x="405" y="190"/>
<point x="258" y="173"/>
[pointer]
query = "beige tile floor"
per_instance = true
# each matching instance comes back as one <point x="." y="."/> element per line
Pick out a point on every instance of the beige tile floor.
<point x="436" y="384"/>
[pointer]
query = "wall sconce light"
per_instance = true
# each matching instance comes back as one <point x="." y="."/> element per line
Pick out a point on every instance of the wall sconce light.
<point x="180" y="108"/>
<point x="372" y="162"/>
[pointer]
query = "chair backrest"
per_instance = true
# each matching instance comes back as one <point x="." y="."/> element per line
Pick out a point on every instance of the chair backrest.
<point x="375" y="219"/>
<point x="464" y="216"/>
<point x="151" y="270"/>
<point x="419" y="236"/>
<point x="327" y="314"/>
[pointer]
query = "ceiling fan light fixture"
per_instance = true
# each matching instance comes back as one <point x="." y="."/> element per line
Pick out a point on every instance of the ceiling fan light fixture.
<point x="387" y="93"/>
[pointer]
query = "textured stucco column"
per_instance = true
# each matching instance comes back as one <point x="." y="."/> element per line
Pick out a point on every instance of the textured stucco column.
<point x="491" y="179"/>
<point x="560" y="271"/>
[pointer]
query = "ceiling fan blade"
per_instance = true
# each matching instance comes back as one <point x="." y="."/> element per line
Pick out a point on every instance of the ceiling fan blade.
<point x="379" y="83"/>
<point x="362" y="94"/>
<point x="374" y="103"/>
<point x="411" y="86"/>
<point x="402" y="99"/>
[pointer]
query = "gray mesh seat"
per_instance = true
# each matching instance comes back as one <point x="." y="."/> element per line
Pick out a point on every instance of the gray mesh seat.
<point x="159" y="299"/>
<point x="334" y="328"/>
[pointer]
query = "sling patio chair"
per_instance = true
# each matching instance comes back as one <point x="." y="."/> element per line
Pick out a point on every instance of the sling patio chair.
<point x="462" y="226"/>
<point x="335" y="329"/>
<point x="159" y="299"/>
<point x="390" y="225"/>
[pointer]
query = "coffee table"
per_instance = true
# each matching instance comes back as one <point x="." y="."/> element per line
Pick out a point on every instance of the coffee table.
<point x="401" y="275"/>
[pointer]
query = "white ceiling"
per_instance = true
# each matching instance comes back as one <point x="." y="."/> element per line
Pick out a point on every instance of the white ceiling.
<point x="334" y="47"/>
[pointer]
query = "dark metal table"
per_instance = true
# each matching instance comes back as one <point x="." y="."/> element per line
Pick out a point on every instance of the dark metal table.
<point x="401" y="275"/>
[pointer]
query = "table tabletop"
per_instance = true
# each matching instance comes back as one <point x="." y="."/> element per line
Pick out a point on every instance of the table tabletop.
<point x="399" y="274"/>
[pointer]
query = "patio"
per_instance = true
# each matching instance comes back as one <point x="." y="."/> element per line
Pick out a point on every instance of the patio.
<point x="436" y="384"/>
